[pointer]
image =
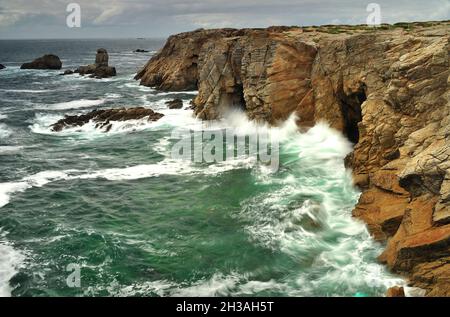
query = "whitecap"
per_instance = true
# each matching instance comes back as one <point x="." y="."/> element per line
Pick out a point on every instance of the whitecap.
<point x="10" y="149"/>
<point x="27" y="91"/>
<point x="36" y="180"/>
<point x="5" y="131"/>
<point x="165" y="167"/>
<point x="74" y="104"/>
<point x="10" y="262"/>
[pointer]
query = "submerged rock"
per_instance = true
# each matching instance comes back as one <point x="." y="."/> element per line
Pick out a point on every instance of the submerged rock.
<point x="45" y="62"/>
<point x="104" y="117"/>
<point x="100" y="69"/>
<point x="68" y="72"/>
<point x="2" y="66"/>
<point x="141" y="51"/>
<point x="175" y="104"/>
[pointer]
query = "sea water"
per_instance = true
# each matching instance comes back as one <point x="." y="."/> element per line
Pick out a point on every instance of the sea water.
<point x="137" y="222"/>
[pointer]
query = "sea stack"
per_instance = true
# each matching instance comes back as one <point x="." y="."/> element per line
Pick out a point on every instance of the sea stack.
<point x="48" y="61"/>
<point x="100" y="69"/>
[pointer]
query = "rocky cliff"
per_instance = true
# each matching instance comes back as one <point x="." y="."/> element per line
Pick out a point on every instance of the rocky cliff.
<point x="386" y="89"/>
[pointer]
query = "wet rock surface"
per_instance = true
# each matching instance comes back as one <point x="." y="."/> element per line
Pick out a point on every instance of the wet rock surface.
<point x="104" y="118"/>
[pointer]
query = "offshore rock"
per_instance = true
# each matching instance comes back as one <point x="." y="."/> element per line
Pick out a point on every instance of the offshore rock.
<point x="386" y="89"/>
<point x="100" y="69"/>
<point x="103" y="118"/>
<point x="45" y="62"/>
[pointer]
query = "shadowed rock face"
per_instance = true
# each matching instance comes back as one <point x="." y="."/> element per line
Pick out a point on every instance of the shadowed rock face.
<point x="44" y="62"/>
<point x="103" y="118"/>
<point x="386" y="89"/>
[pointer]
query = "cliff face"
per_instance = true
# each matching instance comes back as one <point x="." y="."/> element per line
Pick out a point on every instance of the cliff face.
<point x="386" y="89"/>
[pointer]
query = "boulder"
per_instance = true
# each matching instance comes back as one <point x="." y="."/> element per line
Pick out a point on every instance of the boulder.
<point x="104" y="117"/>
<point x="175" y="104"/>
<point x="44" y="62"/>
<point x="395" y="291"/>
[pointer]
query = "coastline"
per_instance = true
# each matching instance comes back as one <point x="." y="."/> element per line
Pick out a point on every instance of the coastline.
<point x="386" y="89"/>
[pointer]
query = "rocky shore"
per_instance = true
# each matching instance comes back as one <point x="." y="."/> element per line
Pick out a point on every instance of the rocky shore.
<point x="386" y="89"/>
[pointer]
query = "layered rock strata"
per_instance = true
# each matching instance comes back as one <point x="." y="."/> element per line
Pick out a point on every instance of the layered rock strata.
<point x="386" y="89"/>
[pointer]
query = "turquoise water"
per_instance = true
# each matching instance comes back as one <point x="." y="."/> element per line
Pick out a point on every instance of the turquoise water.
<point x="139" y="223"/>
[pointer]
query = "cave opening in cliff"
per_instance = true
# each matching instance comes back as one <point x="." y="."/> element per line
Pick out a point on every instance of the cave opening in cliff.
<point x="351" y="111"/>
<point x="238" y="100"/>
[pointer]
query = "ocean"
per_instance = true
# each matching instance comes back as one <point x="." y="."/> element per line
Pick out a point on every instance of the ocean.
<point x="89" y="213"/>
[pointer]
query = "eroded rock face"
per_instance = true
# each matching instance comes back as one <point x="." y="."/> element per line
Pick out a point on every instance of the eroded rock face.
<point x="103" y="118"/>
<point x="386" y="90"/>
<point x="45" y="62"/>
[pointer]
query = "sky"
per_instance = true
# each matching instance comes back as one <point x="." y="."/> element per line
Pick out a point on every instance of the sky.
<point x="42" y="19"/>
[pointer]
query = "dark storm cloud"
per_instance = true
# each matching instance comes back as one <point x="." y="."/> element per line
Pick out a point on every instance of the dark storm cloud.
<point x="125" y="18"/>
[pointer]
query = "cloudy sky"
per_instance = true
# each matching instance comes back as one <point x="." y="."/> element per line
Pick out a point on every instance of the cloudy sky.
<point x="159" y="18"/>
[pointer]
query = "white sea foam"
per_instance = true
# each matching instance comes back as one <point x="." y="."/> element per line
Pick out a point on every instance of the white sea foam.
<point x="10" y="149"/>
<point x="74" y="104"/>
<point x="10" y="261"/>
<point x="3" y="116"/>
<point x="5" y="131"/>
<point x="165" y="167"/>
<point x="36" y="180"/>
<point x="27" y="91"/>
<point x="312" y="166"/>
